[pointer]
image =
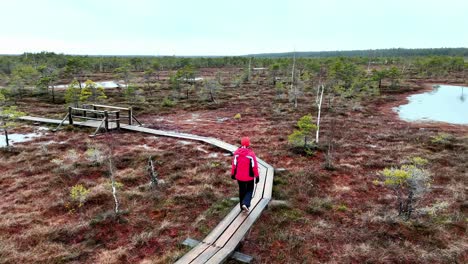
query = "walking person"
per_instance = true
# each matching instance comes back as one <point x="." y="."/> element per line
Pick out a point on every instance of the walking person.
<point x="244" y="169"/>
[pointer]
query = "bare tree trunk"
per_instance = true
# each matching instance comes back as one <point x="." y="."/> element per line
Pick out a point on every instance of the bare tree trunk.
<point x="399" y="201"/>
<point x="114" y="186"/>
<point x="292" y="81"/>
<point x="319" y="112"/>
<point x="409" y="205"/>
<point x="250" y="64"/>
<point x="149" y="88"/>
<point x="212" y="96"/>
<point x="329" y="155"/>
<point x="153" y="174"/>
<point x="7" y="141"/>
<point x="53" y="93"/>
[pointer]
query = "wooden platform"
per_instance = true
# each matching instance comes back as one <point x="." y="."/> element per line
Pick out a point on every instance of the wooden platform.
<point x="222" y="241"/>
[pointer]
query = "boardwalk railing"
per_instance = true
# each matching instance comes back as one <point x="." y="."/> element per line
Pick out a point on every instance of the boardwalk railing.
<point x="99" y="116"/>
<point x="128" y="110"/>
<point x="222" y="241"/>
<point x="95" y="115"/>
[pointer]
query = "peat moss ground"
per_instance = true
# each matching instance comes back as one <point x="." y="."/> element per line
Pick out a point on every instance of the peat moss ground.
<point x="340" y="215"/>
<point x="41" y="223"/>
<point x="334" y="216"/>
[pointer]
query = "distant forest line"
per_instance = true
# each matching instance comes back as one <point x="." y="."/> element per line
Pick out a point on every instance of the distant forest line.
<point x="368" y="53"/>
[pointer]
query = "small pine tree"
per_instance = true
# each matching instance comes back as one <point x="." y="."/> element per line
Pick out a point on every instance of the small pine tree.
<point x="72" y="94"/>
<point x="303" y="137"/>
<point x="92" y="93"/>
<point x="78" y="194"/>
<point x="134" y="95"/>
<point x="408" y="182"/>
<point x="280" y="89"/>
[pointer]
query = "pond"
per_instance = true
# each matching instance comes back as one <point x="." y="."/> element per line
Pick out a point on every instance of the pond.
<point x="104" y="84"/>
<point x="18" y="137"/>
<point x="445" y="103"/>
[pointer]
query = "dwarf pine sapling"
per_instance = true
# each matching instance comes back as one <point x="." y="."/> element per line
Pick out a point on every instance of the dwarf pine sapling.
<point x="302" y="137"/>
<point x="409" y="182"/>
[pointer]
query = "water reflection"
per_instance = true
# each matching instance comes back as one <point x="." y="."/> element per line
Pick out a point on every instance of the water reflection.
<point x="444" y="103"/>
<point x="462" y="96"/>
<point x="17" y="138"/>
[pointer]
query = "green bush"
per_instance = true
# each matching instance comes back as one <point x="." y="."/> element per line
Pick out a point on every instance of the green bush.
<point x="341" y="208"/>
<point x="168" y="103"/>
<point x="318" y="206"/>
<point x="302" y="138"/>
<point x="442" y="139"/>
<point x="78" y="195"/>
<point x="408" y="182"/>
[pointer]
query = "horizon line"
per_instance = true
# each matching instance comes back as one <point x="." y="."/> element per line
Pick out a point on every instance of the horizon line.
<point x="243" y="55"/>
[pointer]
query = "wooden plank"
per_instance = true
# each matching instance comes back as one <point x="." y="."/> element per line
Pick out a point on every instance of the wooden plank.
<point x="237" y="255"/>
<point x="111" y="107"/>
<point x="232" y="228"/>
<point x="206" y="255"/>
<point x="241" y="257"/>
<point x="269" y="177"/>
<point x="190" y="242"/>
<point x="220" y="256"/>
<point x="42" y="120"/>
<point x="260" y="186"/>
<point x="163" y="133"/>
<point x="269" y="184"/>
<point x="192" y="254"/>
<point x="236" y="238"/>
<point x="244" y="228"/>
<point x="87" y="110"/>
<point x="219" y="229"/>
<point x="222" y="144"/>
<point x="228" y="220"/>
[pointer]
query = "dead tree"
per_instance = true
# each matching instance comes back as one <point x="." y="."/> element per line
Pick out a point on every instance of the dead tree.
<point x="152" y="173"/>
<point x="294" y="88"/>
<point x="114" y="186"/>
<point x="321" y="89"/>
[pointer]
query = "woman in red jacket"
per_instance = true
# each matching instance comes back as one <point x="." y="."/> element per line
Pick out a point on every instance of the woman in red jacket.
<point x="245" y="171"/>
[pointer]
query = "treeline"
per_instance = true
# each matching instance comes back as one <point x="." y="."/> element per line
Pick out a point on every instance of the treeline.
<point x="141" y="63"/>
<point x="45" y="70"/>
<point x="369" y="53"/>
<point x="109" y="63"/>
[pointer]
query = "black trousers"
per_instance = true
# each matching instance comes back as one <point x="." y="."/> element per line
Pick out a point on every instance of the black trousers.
<point x="245" y="192"/>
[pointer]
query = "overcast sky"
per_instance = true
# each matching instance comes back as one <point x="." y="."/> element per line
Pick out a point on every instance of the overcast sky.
<point x="228" y="27"/>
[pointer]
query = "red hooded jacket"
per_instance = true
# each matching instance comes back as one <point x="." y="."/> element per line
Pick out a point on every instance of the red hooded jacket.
<point x="244" y="164"/>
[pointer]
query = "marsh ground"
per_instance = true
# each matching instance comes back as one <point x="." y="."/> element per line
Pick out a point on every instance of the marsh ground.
<point x="335" y="215"/>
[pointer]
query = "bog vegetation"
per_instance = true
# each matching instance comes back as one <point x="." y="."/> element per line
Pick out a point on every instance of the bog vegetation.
<point x="360" y="185"/>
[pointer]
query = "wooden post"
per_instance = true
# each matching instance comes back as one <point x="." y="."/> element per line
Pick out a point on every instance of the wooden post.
<point x="95" y="114"/>
<point x="117" y="119"/>
<point x="106" y="120"/>
<point x="84" y="113"/>
<point x="130" y="116"/>
<point x="6" y="138"/>
<point x="70" y="117"/>
<point x="153" y="174"/>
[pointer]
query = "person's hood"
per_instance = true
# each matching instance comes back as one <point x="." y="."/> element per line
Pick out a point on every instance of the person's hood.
<point x="243" y="151"/>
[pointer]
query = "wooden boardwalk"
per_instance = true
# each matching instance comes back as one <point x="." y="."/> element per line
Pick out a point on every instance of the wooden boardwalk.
<point x="222" y="241"/>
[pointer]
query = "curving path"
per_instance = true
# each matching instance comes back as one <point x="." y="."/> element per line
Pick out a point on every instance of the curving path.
<point x="222" y="241"/>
